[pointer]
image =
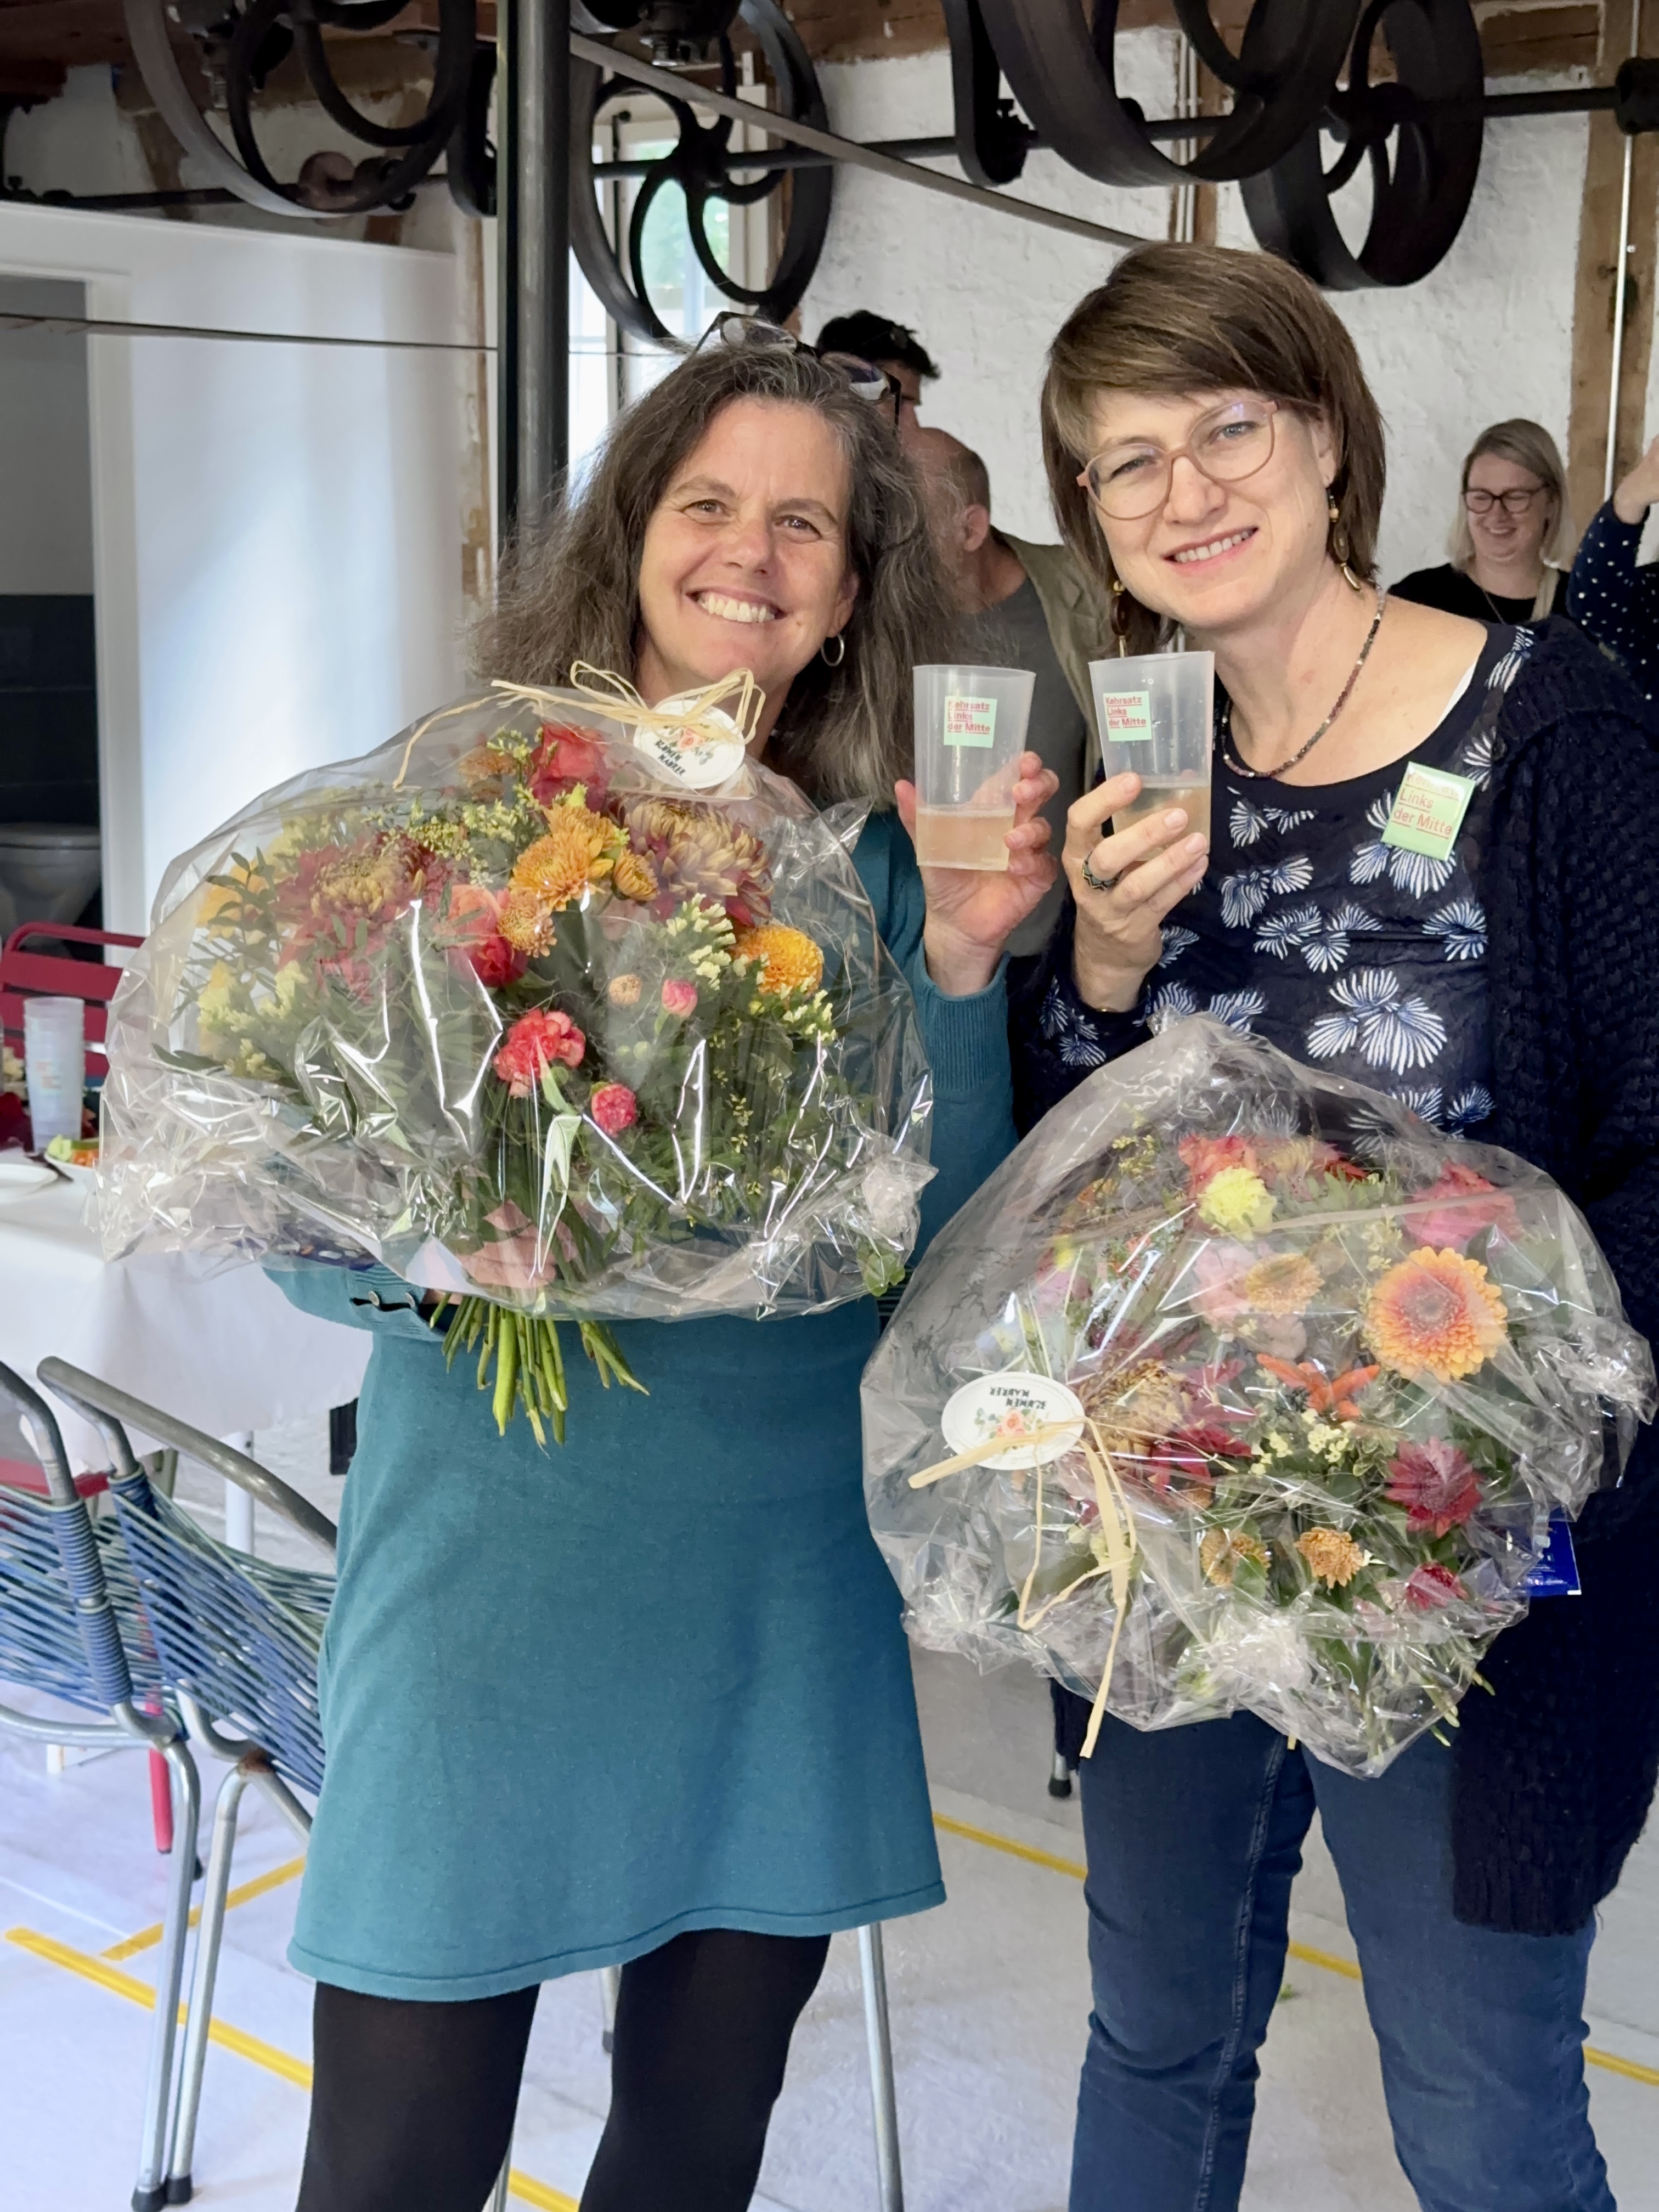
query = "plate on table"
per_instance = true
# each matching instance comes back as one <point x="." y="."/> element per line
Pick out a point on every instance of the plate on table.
<point x="20" y="1177"/>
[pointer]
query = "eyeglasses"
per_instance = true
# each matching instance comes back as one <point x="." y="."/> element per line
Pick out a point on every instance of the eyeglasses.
<point x="1128" y="481"/>
<point x="744" y="333"/>
<point x="1512" y="502"/>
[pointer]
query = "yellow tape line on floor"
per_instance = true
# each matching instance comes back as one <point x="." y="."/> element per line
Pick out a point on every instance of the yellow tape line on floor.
<point x="1308" y="1956"/>
<point x="147" y="1938"/>
<point x="251" y="2047"/>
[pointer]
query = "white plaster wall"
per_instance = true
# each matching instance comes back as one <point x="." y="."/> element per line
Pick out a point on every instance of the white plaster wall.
<point x="46" y="447"/>
<point x="276" y="529"/>
<point x="1488" y="334"/>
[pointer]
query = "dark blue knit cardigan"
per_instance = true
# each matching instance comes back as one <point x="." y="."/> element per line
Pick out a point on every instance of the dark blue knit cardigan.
<point x="1555" y="1772"/>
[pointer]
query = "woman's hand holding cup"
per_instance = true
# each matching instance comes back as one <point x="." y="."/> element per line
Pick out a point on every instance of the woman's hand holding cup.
<point x="1147" y="869"/>
<point x="971" y="912"/>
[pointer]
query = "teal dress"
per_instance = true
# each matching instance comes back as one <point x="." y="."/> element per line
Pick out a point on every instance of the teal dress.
<point x="577" y="1703"/>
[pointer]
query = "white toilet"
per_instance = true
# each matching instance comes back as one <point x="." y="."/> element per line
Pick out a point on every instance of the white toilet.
<point x="48" y="871"/>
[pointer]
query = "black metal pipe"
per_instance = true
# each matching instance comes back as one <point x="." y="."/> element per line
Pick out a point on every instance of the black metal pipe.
<point x="541" y="164"/>
<point x="506" y="270"/>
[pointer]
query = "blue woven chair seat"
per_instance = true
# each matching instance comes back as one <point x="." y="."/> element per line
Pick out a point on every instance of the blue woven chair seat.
<point x="41" y="1643"/>
<point x="237" y="1634"/>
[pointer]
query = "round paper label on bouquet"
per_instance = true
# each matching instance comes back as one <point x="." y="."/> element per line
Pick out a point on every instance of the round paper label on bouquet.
<point x="701" y="754"/>
<point x="1013" y="1405"/>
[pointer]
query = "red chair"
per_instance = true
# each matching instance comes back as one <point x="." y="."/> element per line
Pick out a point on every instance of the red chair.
<point x="25" y="974"/>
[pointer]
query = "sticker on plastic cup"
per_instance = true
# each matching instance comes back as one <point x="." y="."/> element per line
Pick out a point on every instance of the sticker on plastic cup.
<point x="699" y="757"/>
<point x="969" y="720"/>
<point x="1429" y="811"/>
<point x="1012" y="1405"/>
<point x="1126" y="717"/>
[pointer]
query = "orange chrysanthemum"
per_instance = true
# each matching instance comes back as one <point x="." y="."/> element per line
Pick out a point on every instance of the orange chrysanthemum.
<point x="1436" y="1313"/>
<point x="634" y="877"/>
<point x="527" y="922"/>
<point x="1331" y="1558"/>
<point x="1286" y="1284"/>
<point x="1224" y="1551"/>
<point x="575" y="852"/>
<point x="789" y="959"/>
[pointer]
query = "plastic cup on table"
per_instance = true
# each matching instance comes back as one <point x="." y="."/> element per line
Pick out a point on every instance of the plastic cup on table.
<point x="54" y="1066"/>
<point x="970" y="731"/>
<point x="1156" y="715"/>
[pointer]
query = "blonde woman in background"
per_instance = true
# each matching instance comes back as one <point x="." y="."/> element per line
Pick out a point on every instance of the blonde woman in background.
<point x="1510" y="533"/>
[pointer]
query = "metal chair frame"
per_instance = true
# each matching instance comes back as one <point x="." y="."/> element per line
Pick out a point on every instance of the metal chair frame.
<point x="84" y="1620"/>
<point x="255" y="1764"/>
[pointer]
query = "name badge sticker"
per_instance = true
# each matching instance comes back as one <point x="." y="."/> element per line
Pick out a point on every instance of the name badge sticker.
<point x="1126" y="717"/>
<point x="1428" y="813"/>
<point x="969" y="720"/>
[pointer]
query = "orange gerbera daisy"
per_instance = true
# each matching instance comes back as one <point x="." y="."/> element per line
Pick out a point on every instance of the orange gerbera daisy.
<point x="1287" y="1283"/>
<point x="576" y="851"/>
<point x="789" y="959"/>
<point x="1436" y="1313"/>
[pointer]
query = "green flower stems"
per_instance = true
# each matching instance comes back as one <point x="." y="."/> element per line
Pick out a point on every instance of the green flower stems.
<point x="529" y="1361"/>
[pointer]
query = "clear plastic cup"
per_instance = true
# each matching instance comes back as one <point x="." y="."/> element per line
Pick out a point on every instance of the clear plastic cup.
<point x="970" y="732"/>
<point x="54" y="1066"/>
<point x="1156" y="714"/>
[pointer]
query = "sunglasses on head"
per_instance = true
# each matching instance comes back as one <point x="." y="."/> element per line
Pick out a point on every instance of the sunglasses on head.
<point x="744" y="333"/>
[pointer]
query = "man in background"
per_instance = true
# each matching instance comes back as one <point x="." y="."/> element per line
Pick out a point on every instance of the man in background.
<point x="888" y="345"/>
<point x="1023" y="606"/>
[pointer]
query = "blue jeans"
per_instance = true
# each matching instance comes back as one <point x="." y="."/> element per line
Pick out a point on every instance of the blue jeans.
<point x="1194" y="1836"/>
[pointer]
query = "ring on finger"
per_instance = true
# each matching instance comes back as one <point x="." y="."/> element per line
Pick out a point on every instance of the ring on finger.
<point x="1098" y="883"/>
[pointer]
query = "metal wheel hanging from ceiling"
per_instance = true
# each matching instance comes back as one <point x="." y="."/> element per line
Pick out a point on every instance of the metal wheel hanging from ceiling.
<point x="698" y="162"/>
<point x="1061" y="67"/>
<point x="1420" y="136"/>
<point x="238" y="48"/>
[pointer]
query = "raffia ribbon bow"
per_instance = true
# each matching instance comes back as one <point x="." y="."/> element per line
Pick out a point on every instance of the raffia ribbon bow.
<point x="1116" y="1525"/>
<point x="614" y="696"/>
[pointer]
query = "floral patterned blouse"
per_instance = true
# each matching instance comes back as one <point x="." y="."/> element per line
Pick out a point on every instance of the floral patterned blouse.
<point x="1308" y="930"/>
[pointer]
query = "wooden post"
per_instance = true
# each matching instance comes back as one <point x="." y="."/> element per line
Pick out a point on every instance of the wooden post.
<point x="1594" y="293"/>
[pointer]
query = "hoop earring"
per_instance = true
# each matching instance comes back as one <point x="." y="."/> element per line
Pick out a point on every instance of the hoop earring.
<point x="1120" y="619"/>
<point x="840" y="642"/>
<point x="1339" y="542"/>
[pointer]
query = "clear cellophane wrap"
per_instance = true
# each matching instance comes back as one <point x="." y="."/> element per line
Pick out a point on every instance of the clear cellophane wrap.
<point x="1306" y="1389"/>
<point x="514" y="1008"/>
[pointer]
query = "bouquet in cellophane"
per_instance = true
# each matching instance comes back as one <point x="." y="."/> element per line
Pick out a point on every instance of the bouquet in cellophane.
<point x="1239" y="1387"/>
<point x="557" y="1004"/>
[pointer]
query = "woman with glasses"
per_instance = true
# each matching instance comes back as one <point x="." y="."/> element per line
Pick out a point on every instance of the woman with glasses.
<point x="1510" y="530"/>
<point x="1216" y="458"/>
<point x="644" y="1700"/>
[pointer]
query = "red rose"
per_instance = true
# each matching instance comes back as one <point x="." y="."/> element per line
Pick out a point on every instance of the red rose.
<point x="566" y="757"/>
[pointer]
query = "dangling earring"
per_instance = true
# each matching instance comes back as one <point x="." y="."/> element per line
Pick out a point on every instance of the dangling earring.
<point x="840" y="654"/>
<point x="1339" y="544"/>
<point x="1120" y="619"/>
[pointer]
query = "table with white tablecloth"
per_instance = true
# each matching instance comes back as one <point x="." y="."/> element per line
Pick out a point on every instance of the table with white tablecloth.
<point x="220" y="1347"/>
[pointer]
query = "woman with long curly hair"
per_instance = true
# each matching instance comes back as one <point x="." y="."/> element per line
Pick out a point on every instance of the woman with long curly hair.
<point x="645" y="1701"/>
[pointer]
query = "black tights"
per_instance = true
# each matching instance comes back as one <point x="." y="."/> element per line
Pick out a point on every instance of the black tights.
<point x="412" y="2106"/>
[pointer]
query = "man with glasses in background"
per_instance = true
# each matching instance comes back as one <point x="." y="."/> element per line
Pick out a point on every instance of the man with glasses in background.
<point x="889" y="347"/>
